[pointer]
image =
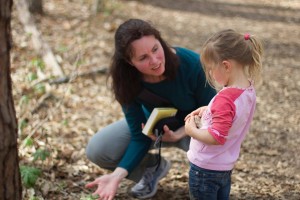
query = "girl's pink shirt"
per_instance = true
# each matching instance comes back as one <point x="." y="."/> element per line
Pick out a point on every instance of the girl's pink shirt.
<point x="227" y="119"/>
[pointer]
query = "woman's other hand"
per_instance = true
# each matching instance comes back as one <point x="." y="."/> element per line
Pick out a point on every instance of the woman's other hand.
<point x="169" y="135"/>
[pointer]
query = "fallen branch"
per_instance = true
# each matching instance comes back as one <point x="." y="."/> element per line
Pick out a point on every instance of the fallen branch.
<point x="66" y="79"/>
<point x="39" y="45"/>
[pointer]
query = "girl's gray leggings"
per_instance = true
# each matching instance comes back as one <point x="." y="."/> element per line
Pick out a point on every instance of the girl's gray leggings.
<point x="108" y="145"/>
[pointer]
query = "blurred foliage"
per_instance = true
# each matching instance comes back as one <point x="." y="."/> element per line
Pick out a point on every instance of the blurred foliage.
<point x="29" y="175"/>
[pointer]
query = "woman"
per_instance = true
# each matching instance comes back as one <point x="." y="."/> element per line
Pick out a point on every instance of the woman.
<point x="143" y="60"/>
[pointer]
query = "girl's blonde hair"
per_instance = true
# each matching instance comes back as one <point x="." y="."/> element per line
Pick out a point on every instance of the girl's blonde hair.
<point x="228" y="44"/>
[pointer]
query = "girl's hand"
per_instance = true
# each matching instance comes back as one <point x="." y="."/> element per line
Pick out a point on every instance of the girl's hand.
<point x="197" y="112"/>
<point x="199" y="134"/>
<point x="190" y="125"/>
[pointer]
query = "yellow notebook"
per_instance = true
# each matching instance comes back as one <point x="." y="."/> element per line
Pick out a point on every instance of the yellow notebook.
<point x="156" y="115"/>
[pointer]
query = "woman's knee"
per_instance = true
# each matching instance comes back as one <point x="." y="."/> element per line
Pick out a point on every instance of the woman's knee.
<point x="94" y="149"/>
<point x="108" y="145"/>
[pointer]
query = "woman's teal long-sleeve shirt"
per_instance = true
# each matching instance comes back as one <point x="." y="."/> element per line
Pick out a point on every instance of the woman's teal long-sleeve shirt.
<point x="187" y="92"/>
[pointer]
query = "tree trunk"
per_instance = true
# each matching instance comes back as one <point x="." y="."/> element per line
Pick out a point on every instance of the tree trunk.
<point x="97" y="6"/>
<point x="10" y="180"/>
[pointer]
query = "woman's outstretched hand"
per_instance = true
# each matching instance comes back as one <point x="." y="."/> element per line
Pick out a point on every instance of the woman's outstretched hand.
<point x="108" y="184"/>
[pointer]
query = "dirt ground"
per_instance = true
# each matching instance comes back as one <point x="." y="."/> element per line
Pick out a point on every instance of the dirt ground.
<point x="62" y="117"/>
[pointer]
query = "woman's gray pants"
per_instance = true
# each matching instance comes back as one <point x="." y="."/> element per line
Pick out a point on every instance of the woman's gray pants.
<point x="108" y="145"/>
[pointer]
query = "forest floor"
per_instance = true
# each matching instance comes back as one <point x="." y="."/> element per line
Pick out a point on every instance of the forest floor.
<point x="60" y="118"/>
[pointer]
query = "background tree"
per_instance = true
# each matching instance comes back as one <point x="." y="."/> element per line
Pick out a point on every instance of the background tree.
<point x="36" y="6"/>
<point x="10" y="180"/>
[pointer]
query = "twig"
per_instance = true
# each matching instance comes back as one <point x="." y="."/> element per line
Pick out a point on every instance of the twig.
<point x="41" y="102"/>
<point x="32" y="132"/>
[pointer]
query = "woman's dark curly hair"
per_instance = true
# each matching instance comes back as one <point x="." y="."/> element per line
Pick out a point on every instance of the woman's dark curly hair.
<point x="126" y="79"/>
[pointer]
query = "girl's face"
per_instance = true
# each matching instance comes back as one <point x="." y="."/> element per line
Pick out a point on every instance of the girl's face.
<point x="219" y="74"/>
<point x="148" y="58"/>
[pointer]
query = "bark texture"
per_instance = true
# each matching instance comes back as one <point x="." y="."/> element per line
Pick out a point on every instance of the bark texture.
<point x="10" y="180"/>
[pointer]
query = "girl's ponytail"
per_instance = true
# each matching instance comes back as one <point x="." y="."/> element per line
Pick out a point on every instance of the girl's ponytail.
<point x="255" y="68"/>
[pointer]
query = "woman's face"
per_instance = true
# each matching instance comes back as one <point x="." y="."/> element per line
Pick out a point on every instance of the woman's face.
<point x="149" y="58"/>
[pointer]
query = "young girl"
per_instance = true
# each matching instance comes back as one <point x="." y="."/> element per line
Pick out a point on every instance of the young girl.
<point x="232" y="60"/>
